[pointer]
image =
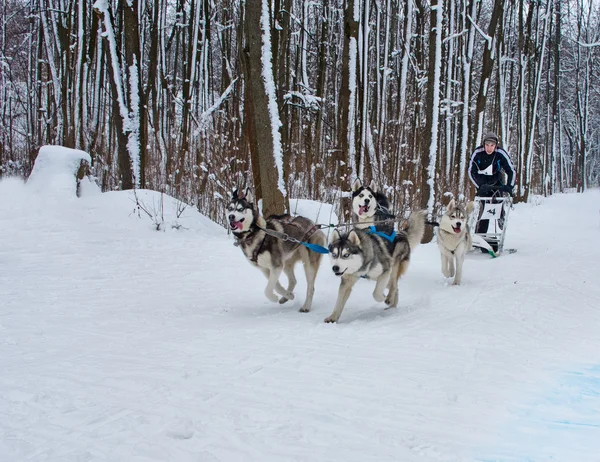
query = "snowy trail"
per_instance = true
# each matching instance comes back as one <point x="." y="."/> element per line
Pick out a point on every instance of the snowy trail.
<point x="120" y="343"/>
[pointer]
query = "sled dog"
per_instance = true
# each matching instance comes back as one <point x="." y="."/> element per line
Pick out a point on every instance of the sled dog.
<point x="369" y="206"/>
<point x="364" y="254"/>
<point x="454" y="239"/>
<point x="271" y="254"/>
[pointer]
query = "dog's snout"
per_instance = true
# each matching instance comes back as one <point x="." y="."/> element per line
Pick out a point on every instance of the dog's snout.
<point x="336" y="269"/>
<point x="367" y="201"/>
<point x="231" y="217"/>
<point x="458" y="224"/>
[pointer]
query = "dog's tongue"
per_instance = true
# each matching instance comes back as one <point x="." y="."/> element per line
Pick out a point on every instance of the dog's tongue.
<point x="237" y="225"/>
<point x="456" y="230"/>
<point x="363" y="209"/>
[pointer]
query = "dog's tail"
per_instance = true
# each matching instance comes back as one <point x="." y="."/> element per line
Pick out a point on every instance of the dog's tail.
<point x="415" y="228"/>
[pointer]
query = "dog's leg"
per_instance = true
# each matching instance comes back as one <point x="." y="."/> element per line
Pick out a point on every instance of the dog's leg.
<point x="288" y="294"/>
<point x="459" y="254"/>
<point x="445" y="264"/>
<point x="390" y="287"/>
<point x="382" y="281"/>
<point x="343" y="294"/>
<point x="288" y="269"/>
<point x="311" y="261"/>
<point x="392" y="298"/>
<point x="451" y="271"/>
<point x="273" y="277"/>
<point x="311" y="273"/>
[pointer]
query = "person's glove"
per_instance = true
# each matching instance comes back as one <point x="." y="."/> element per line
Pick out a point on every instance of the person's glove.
<point x="484" y="188"/>
<point x="507" y="188"/>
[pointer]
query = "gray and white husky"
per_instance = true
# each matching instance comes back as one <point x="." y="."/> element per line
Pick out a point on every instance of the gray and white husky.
<point x="370" y="207"/>
<point x="271" y="254"/>
<point x="362" y="254"/>
<point x="454" y="239"/>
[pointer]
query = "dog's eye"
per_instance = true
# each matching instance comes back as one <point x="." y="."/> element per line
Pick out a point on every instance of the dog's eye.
<point x="240" y="208"/>
<point x="346" y="255"/>
<point x="453" y="217"/>
<point x="230" y="208"/>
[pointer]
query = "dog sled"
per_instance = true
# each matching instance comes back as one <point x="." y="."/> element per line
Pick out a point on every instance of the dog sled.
<point x="492" y="219"/>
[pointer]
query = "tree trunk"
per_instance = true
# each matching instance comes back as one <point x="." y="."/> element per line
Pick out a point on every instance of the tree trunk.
<point x="347" y="122"/>
<point x="265" y="142"/>
<point x="432" y="109"/>
<point x="487" y="68"/>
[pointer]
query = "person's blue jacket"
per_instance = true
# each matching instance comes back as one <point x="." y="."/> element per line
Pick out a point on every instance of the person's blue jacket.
<point x="486" y="169"/>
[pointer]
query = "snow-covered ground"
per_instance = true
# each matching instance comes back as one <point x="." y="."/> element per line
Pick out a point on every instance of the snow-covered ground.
<point x="122" y="343"/>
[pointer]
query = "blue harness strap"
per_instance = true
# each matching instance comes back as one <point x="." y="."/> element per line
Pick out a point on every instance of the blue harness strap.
<point x="315" y="247"/>
<point x="389" y="237"/>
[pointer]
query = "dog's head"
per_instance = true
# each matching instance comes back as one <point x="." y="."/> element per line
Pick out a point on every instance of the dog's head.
<point x="364" y="199"/>
<point x="345" y="253"/>
<point x="241" y="213"/>
<point x="456" y="215"/>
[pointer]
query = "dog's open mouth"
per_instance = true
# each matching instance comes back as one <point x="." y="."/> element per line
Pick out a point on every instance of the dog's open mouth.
<point x="236" y="224"/>
<point x="363" y="209"/>
<point x="456" y="229"/>
<point x="339" y="273"/>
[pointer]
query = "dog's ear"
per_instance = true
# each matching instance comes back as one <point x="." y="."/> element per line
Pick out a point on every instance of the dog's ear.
<point x="470" y="207"/>
<point x="373" y="186"/>
<point x="451" y="205"/>
<point x="234" y="195"/>
<point x="356" y="185"/>
<point x="249" y="196"/>
<point x="353" y="238"/>
<point x="335" y="236"/>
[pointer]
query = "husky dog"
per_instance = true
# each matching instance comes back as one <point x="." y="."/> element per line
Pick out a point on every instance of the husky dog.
<point x="454" y="239"/>
<point x="271" y="254"/>
<point x="369" y="206"/>
<point x="362" y="253"/>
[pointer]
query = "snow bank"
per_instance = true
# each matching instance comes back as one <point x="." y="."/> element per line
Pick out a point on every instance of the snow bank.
<point x="154" y="210"/>
<point x="55" y="170"/>
<point x="54" y="176"/>
<point x="316" y="211"/>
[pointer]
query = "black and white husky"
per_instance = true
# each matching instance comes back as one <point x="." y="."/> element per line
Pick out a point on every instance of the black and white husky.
<point x="273" y="255"/>
<point x="370" y="207"/>
<point x="364" y="254"/>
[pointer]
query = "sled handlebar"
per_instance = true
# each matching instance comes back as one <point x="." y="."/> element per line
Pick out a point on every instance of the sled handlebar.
<point x="486" y="188"/>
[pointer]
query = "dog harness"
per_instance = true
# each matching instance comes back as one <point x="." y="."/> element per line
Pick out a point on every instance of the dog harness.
<point x="389" y="237"/>
<point x="284" y="236"/>
<point x="241" y="240"/>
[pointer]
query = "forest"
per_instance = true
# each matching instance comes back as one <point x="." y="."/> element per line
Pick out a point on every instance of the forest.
<point x="297" y="98"/>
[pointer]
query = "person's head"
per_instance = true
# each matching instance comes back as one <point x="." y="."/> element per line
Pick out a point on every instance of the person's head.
<point x="490" y="142"/>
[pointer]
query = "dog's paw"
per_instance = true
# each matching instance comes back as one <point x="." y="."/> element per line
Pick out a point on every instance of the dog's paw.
<point x="392" y="301"/>
<point x="304" y="309"/>
<point x="456" y="282"/>
<point x="289" y="295"/>
<point x="378" y="296"/>
<point x="271" y="296"/>
<point x="331" y="319"/>
<point x="282" y="300"/>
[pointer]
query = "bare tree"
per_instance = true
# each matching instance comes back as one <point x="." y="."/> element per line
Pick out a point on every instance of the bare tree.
<point x="261" y="108"/>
